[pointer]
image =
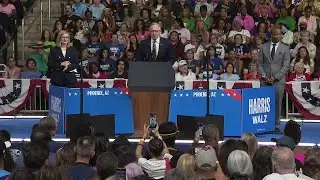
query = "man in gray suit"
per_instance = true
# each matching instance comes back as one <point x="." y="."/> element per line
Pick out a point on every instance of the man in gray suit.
<point x="274" y="63"/>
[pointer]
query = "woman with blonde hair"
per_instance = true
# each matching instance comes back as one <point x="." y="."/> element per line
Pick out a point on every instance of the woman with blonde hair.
<point x="252" y="143"/>
<point x="63" y="62"/>
<point x="186" y="165"/>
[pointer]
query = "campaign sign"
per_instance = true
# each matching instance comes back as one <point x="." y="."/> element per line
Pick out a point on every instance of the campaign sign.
<point x="56" y="106"/>
<point x="101" y="101"/>
<point x="222" y="102"/>
<point x="258" y="109"/>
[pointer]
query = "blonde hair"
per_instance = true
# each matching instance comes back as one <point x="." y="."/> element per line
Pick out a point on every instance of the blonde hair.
<point x="61" y="33"/>
<point x="252" y="143"/>
<point x="299" y="66"/>
<point x="186" y="165"/>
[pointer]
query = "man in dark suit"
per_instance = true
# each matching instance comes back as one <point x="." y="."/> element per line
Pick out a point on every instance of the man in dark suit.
<point x="274" y="63"/>
<point x="156" y="48"/>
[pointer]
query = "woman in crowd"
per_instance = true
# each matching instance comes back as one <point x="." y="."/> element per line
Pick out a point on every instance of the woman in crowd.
<point x="216" y="62"/>
<point x="48" y="43"/>
<point x="241" y="50"/>
<point x="188" y="20"/>
<point x="63" y="62"/>
<point x="305" y="41"/>
<point x="128" y="18"/>
<point x="177" y="45"/>
<point x="299" y="73"/>
<point x="164" y="32"/>
<point x="31" y="70"/>
<point x="121" y="71"/>
<point x="239" y="165"/>
<point x="229" y="75"/>
<point x="13" y="71"/>
<point x="252" y="143"/>
<point x="261" y="161"/>
<point x="123" y="34"/>
<point x="262" y="30"/>
<point x="56" y="29"/>
<point x="108" y="18"/>
<point x="219" y="49"/>
<point x="253" y="74"/>
<point x="303" y="56"/>
<point x="166" y="18"/>
<point x="196" y="47"/>
<point x="219" y="30"/>
<point x="94" y="72"/>
<point x="187" y="165"/>
<point x="139" y="29"/>
<point x="182" y="31"/>
<point x="107" y="65"/>
<point x="145" y="15"/>
<point x="80" y="32"/>
<point x="236" y="62"/>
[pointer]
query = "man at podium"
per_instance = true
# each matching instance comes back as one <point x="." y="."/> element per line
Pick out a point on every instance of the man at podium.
<point x="156" y="48"/>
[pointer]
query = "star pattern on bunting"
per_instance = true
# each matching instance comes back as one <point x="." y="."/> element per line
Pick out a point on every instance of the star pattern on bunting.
<point x="14" y="95"/>
<point x="307" y="95"/>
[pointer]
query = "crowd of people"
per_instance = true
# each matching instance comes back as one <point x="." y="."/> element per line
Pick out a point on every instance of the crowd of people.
<point x="89" y="155"/>
<point x="224" y="37"/>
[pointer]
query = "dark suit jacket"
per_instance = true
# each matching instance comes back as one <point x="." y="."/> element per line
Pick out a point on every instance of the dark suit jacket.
<point x="165" y="53"/>
<point x="58" y="76"/>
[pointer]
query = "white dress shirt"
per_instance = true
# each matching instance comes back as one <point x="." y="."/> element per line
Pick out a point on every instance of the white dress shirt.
<point x="157" y="45"/>
<point x="271" y="46"/>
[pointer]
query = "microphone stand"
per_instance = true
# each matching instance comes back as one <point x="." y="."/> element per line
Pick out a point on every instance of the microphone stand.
<point x="208" y="89"/>
<point x="81" y="89"/>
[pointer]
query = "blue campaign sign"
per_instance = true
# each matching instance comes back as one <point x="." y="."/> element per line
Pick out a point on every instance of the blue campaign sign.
<point x="100" y="101"/>
<point x="57" y="106"/>
<point x="222" y="102"/>
<point x="259" y="107"/>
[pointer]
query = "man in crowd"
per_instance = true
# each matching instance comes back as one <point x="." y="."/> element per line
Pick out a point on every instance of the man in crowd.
<point x="274" y="63"/>
<point x="206" y="162"/>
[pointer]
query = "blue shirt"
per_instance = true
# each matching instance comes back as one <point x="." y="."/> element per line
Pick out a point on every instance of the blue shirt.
<point x="79" y="9"/>
<point x="216" y="62"/>
<point x="226" y="77"/>
<point x="97" y="10"/>
<point x="31" y="75"/>
<point x="115" y="49"/>
<point x="4" y="174"/>
<point x="94" y="48"/>
<point x="81" y="171"/>
<point x="107" y="66"/>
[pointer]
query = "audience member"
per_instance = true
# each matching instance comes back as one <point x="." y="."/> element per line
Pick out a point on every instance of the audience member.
<point x="252" y="143"/>
<point x="107" y="166"/>
<point x="13" y="71"/>
<point x="261" y="162"/>
<point x="206" y="162"/>
<point x="239" y="165"/>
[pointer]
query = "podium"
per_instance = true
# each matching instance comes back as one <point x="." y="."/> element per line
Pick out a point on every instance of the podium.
<point x="150" y="84"/>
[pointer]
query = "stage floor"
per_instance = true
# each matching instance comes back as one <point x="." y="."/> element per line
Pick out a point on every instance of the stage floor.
<point x="20" y="128"/>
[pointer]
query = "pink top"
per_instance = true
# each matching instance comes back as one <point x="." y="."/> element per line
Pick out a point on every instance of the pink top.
<point x="300" y="157"/>
<point x="142" y="36"/>
<point x="259" y="7"/>
<point x="247" y="22"/>
<point x="311" y="23"/>
<point x="8" y="9"/>
<point x="14" y="73"/>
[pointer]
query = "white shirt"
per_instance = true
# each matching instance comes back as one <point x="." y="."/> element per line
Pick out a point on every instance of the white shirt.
<point x="189" y="77"/>
<point x="154" y="168"/>
<point x="271" y="46"/>
<point x="157" y="45"/>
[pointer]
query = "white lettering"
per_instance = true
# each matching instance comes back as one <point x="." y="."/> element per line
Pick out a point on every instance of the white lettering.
<point x="96" y="93"/>
<point x="56" y="104"/>
<point x="200" y="94"/>
<point x="259" y="105"/>
<point x="261" y="119"/>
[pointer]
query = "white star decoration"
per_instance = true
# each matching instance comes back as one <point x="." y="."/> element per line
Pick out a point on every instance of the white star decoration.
<point x="234" y="94"/>
<point x="70" y="94"/>
<point x="228" y="94"/>
<point x="305" y="90"/>
<point x="17" y="86"/>
<point x="181" y="95"/>
<point x="220" y="87"/>
<point x="75" y="93"/>
<point x="127" y="93"/>
<point x="121" y="92"/>
<point x="180" y="87"/>
<point x="175" y="95"/>
<point x="187" y="95"/>
<point x="101" y="86"/>
<point x="115" y="93"/>
<point x="222" y="94"/>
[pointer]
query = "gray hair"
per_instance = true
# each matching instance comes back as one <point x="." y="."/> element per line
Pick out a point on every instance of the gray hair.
<point x="240" y="162"/>
<point x="283" y="160"/>
<point x="133" y="170"/>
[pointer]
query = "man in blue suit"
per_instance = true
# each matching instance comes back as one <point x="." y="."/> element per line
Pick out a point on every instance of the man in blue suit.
<point x="156" y="48"/>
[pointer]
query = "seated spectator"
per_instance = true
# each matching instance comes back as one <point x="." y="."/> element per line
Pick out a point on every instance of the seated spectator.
<point x="239" y="165"/>
<point x="196" y="47"/>
<point x="287" y="35"/>
<point x="219" y="49"/>
<point x="303" y="57"/>
<point x="68" y="19"/>
<point x="165" y="17"/>
<point x="310" y="20"/>
<point x="107" y="65"/>
<point x="84" y="151"/>
<point x="158" y="165"/>
<point x="79" y="8"/>
<point x="184" y="73"/>
<point x="80" y="32"/>
<point x="123" y="34"/>
<point x="238" y="29"/>
<point x="229" y="75"/>
<point x="206" y="162"/>
<point x="94" y="45"/>
<point x="204" y="16"/>
<point x="121" y="71"/>
<point x="115" y="48"/>
<point x="128" y="17"/>
<point x="305" y="41"/>
<point x="107" y="164"/>
<point x="177" y="45"/>
<point x="203" y="35"/>
<point x="220" y="32"/>
<point x="283" y="165"/>
<point x="193" y="65"/>
<point x="252" y="143"/>
<point x="88" y="21"/>
<point x="7" y="8"/>
<point x="254" y="73"/>
<point x="129" y="56"/>
<point x="3" y="146"/>
<point x="254" y="55"/>
<point x="188" y="19"/>
<point x="133" y="43"/>
<point x="217" y="65"/>
<point x="261" y="161"/>
<point x="184" y="33"/>
<point x="262" y="31"/>
<point x="30" y="72"/>
<point x="94" y="72"/>
<point x="56" y="30"/>
<point x="96" y="8"/>
<point x="246" y="19"/>
<point x="47" y="41"/>
<point x="13" y="71"/>
<point x="299" y="73"/>
<point x="40" y="57"/>
<point x="139" y="28"/>
<point x="241" y="50"/>
<point x="236" y="62"/>
<point x="207" y="71"/>
<point x="284" y="17"/>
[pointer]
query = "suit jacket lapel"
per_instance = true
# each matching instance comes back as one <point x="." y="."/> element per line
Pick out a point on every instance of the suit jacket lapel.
<point x="278" y="50"/>
<point x="268" y="51"/>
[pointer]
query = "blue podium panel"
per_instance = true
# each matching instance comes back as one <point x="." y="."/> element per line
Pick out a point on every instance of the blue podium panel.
<point x="222" y="102"/>
<point x="258" y="109"/>
<point x="57" y="106"/>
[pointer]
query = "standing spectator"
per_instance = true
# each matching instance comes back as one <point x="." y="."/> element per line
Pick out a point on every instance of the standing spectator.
<point x="121" y="71"/>
<point x="79" y="8"/>
<point x="65" y="157"/>
<point x="229" y="75"/>
<point x="303" y="56"/>
<point x="274" y="63"/>
<point x="206" y="162"/>
<point x="187" y="165"/>
<point x="310" y="20"/>
<point x="13" y="71"/>
<point x="239" y="165"/>
<point x="261" y="161"/>
<point x="40" y="57"/>
<point x="49" y="124"/>
<point x="252" y="143"/>
<point x="312" y="163"/>
<point x="107" y="164"/>
<point x="96" y="8"/>
<point x="184" y="73"/>
<point x="283" y="165"/>
<point x="68" y="20"/>
<point x="245" y="19"/>
<point x="210" y="135"/>
<point x="84" y="151"/>
<point x="31" y="72"/>
<point x="299" y="74"/>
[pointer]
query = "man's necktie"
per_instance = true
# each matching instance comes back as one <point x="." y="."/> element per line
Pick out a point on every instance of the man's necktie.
<point x="273" y="50"/>
<point x="154" y="50"/>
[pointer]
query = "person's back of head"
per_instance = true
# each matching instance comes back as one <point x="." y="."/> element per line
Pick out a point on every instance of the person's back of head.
<point x="125" y="155"/>
<point x="175" y="174"/>
<point x="85" y="147"/>
<point x="34" y="156"/>
<point x="168" y="132"/>
<point x="261" y="162"/>
<point x="102" y="144"/>
<point x="239" y="176"/>
<point x="21" y="174"/>
<point x="311" y="165"/>
<point x="283" y="160"/>
<point x="40" y="136"/>
<point x="156" y="147"/>
<point x="252" y="143"/>
<point x="210" y="133"/>
<point x="65" y="156"/>
<point x="133" y="170"/>
<point x="50" y="173"/>
<point x="5" y="134"/>
<point x="293" y="130"/>
<point x="107" y="164"/>
<point x="187" y="165"/>
<point x="239" y="162"/>
<point x="82" y="129"/>
<point x="49" y="123"/>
